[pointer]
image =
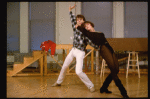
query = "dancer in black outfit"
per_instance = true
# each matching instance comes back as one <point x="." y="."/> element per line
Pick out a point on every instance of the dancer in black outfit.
<point x="107" y="53"/>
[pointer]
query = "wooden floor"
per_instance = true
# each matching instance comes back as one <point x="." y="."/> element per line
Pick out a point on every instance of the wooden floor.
<point x="18" y="87"/>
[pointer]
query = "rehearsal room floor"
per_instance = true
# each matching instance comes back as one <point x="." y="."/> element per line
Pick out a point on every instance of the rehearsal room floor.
<point x="40" y="87"/>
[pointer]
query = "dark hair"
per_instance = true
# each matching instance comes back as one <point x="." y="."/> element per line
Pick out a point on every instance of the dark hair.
<point x="80" y="16"/>
<point x="83" y="25"/>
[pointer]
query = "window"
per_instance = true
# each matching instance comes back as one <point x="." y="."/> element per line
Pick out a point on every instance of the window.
<point x="42" y="23"/>
<point x="101" y="14"/>
<point x="13" y="26"/>
<point x="136" y="20"/>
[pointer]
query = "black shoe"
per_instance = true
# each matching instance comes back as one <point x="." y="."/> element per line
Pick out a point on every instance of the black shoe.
<point x="125" y="96"/>
<point x="106" y="84"/>
<point x="121" y="88"/>
<point x="106" y="91"/>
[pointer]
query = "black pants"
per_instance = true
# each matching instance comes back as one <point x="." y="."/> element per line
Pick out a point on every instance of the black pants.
<point x="108" y="55"/>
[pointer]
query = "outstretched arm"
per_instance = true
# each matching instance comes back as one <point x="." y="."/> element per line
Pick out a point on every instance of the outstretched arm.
<point x="72" y="17"/>
<point x="83" y="30"/>
<point x="91" y="43"/>
<point x="85" y="33"/>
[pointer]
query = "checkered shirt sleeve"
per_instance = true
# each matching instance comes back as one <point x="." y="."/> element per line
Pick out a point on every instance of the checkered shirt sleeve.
<point x="92" y="44"/>
<point x="73" y="20"/>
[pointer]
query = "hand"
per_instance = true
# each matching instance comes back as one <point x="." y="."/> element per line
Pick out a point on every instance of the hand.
<point x="52" y="56"/>
<point x="76" y="26"/>
<point x="70" y="8"/>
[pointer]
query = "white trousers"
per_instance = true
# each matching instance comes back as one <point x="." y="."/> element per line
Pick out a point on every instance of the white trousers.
<point x="79" y="55"/>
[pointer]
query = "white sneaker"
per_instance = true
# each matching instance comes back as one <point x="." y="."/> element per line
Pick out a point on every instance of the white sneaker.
<point x="92" y="89"/>
<point x="55" y="84"/>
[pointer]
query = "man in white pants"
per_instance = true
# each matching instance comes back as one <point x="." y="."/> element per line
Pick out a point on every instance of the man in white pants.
<point x="78" y="51"/>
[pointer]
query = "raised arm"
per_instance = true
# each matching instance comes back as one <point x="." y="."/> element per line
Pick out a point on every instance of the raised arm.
<point x="72" y="17"/>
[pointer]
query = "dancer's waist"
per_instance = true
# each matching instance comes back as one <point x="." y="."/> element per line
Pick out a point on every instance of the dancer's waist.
<point x="79" y="48"/>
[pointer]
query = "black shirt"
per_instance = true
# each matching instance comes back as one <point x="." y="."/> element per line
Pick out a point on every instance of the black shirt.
<point x="96" y="37"/>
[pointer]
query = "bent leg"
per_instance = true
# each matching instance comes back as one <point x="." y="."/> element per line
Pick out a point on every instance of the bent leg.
<point x="80" y="73"/>
<point x="111" y="60"/>
<point x="113" y="65"/>
<point x="67" y="61"/>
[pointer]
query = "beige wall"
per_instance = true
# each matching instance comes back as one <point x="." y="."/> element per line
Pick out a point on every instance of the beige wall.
<point x="24" y="26"/>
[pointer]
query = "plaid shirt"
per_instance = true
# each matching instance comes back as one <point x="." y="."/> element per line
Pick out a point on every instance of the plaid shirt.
<point x="80" y="41"/>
